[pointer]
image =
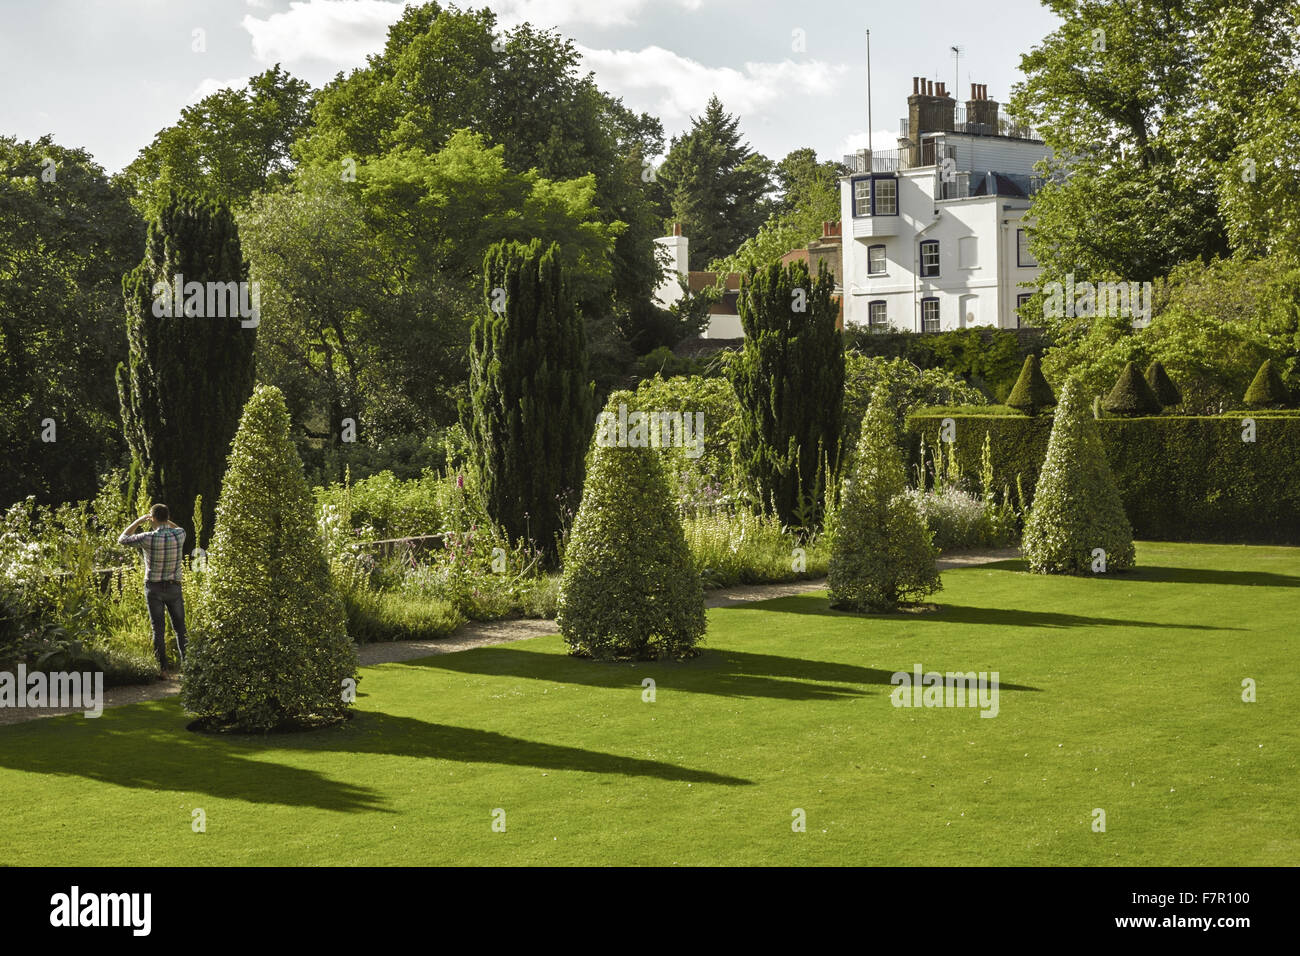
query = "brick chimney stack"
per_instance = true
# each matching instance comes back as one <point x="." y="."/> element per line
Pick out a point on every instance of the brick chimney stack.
<point x="929" y="109"/>
<point x="982" y="111"/>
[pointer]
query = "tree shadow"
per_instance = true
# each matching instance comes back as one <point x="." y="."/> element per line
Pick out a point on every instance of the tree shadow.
<point x="142" y="748"/>
<point x="944" y="613"/>
<point x="1260" y="579"/>
<point x="722" y="673"/>
<point x="145" y="747"/>
<point x="375" y="732"/>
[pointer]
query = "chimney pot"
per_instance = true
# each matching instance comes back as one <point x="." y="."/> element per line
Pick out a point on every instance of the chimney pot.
<point x="677" y="229"/>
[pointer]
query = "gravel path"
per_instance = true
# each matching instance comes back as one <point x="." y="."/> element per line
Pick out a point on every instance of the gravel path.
<point x="484" y="634"/>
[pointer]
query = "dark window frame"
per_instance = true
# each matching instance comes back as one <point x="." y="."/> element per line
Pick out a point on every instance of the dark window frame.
<point x="1020" y="263"/>
<point x="871" y="326"/>
<point x="884" y="270"/>
<point x="938" y="317"/>
<point x="938" y="268"/>
<point x="871" y="194"/>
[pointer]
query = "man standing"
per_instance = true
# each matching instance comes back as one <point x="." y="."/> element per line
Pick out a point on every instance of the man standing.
<point x="163" y="548"/>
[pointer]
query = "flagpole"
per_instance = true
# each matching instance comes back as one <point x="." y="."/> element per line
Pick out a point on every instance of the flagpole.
<point x="871" y="156"/>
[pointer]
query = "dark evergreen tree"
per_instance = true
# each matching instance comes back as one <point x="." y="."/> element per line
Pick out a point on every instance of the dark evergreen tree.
<point x="1165" y="390"/>
<point x="189" y="371"/>
<point x="1267" y="389"/>
<point x="715" y="185"/>
<point x="1031" y="393"/>
<point x="789" y="380"/>
<point x="531" y="403"/>
<point x="1131" y="396"/>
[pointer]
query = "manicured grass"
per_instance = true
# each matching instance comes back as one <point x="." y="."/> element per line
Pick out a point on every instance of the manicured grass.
<point x="1122" y="694"/>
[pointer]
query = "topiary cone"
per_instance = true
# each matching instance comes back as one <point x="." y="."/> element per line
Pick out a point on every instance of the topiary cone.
<point x="882" y="553"/>
<point x="1077" y="524"/>
<point x="1031" y="393"/>
<point x="1131" y="395"/>
<point x="269" y="647"/>
<point x="1267" y="390"/>
<point x="1162" y="385"/>
<point x="630" y="588"/>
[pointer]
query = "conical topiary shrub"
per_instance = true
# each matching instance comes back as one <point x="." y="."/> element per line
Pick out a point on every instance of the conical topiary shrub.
<point x="1163" y="386"/>
<point x="1131" y="395"/>
<point x="630" y="588"/>
<point x="881" y="550"/>
<point x="1031" y="393"/>
<point x="1267" y="390"/>
<point x="1077" y="522"/>
<point x="269" y="647"/>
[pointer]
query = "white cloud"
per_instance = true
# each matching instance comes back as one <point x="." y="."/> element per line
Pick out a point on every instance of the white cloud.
<point x="596" y="13"/>
<point x="339" y="32"/>
<point x="210" y="85"/>
<point x="880" y="139"/>
<point x="674" y="87"/>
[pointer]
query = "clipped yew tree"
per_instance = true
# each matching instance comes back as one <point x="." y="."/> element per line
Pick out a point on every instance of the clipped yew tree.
<point x="530" y="407"/>
<point x="1031" y="393"/>
<point x="1131" y="396"/>
<point x="1267" y="389"/>
<point x="789" y="382"/>
<point x="1162" y="385"/>
<point x="882" y="553"/>
<point x="1077" y="523"/>
<point x="630" y="588"/>
<point x="269" y="648"/>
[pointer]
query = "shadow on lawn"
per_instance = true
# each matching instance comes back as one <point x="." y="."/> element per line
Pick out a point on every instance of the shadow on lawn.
<point x="140" y="748"/>
<point x="725" y="673"/>
<point x="1260" y="579"/>
<point x="945" y="613"/>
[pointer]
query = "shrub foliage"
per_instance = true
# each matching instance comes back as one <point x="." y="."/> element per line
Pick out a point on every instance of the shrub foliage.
<point x="1077" y="507"/>
<point x="1267" y="390"/>
<point x="269" y="647"/>
<point x="1131" y="396"/>
<point x="881" y="550"/>
<point x="1166" y="391"/>
<point x="630" y="588"/>
<point x="1031" y="393"/>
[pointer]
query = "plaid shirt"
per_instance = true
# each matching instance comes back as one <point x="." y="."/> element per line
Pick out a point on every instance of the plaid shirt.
<point x="162" y="549"/>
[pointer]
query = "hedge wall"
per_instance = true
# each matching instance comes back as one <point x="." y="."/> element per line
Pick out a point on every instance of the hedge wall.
<point x="1183" y="478"/>
<point x="985" y="357"/>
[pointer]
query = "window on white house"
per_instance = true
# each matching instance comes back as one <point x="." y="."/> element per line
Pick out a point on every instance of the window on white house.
<point x="877" y="316"/>
<point x="1023" y="257"/>
<point x="1021" y="301"/>
<point x="929" y="315"/>
<point x="930" y="258"/>
<point x="875" y="260"/>
<point x="886" y="198"/>
<point x="862" y="197"/>
<point x="968" y="252"/>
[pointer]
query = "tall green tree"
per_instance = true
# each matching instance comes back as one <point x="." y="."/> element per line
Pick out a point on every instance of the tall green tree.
<point x="187" y="374"/>
<point x="809" y="195"/>
<point x="715" y="185"/>
<point x="227" y="146"/>
<point x="67" y="235"/>
<point x="530" y="410"/>
<point x="789" y="380"/>
<point x="1147" y="107"/>
<point x="523" y="89"/>
<point x="269" y="644"/>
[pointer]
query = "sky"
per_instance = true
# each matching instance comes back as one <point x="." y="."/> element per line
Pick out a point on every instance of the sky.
<point x="107" y="75"/>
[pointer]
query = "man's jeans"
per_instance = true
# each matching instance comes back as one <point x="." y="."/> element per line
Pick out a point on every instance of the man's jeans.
<point x="165" y="597"/>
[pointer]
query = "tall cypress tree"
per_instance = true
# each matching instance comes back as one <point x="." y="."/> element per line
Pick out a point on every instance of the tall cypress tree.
<point x="531" y="403"/>
<point x="789" y="379"/>
<point x="188" y="373"/>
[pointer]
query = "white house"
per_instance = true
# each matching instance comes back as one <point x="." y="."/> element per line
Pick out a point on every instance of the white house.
<point x="933" y="231"/>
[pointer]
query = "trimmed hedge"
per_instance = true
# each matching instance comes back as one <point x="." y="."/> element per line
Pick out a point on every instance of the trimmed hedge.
<point x="1182" y="478"/>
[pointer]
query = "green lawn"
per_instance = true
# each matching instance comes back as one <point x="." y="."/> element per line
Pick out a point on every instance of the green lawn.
<point x="1122" y="694"/>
